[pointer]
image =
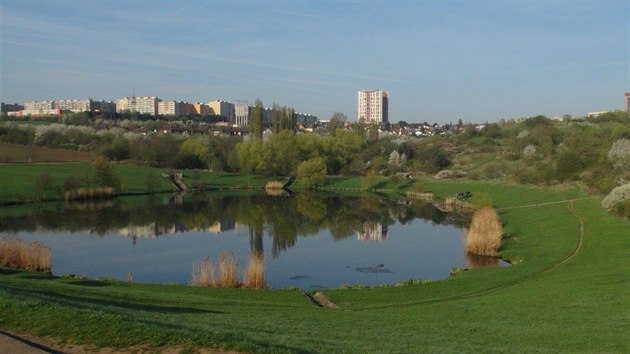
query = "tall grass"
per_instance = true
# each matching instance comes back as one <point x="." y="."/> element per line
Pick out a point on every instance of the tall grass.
<point x="89" y="193"/>
<point x="203" y="273"/>
<point x="485" y="233"/>
<point x="16" y="253"/>
<point x="228" y="270"/>
<point x="254" y="276"/>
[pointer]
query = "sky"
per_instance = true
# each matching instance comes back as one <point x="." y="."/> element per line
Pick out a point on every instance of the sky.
<point x="439" y="60"/>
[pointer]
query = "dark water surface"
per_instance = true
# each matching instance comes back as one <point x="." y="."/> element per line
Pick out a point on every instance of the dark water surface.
<point x="308" y="240"/>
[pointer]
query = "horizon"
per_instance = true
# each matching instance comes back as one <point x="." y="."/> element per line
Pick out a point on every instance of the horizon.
<point x="516" y="59"/>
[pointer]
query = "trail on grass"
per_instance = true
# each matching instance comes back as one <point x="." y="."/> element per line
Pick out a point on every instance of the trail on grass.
<point x="575" y="252"/>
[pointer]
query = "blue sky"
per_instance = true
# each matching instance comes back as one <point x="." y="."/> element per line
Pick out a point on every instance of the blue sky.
<point x="439" y="60"/>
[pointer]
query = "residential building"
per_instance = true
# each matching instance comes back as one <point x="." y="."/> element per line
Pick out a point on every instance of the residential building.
<point x="143" y="105"/>
<point x="372" y="232"/>
<point x="75" y="106"/>
<point x="305" y="118"/>
<point x="373" y="106"/>
<point x="201" y="109"/>
<point x="222" y="108"/>
<point x="8" y="107"/>
<point x="174" y="108"/>
<point x="241" y="113"/>
<point x="103" y="106"/>
<point x="39" y="106"/>
<point x="627" y="102"/>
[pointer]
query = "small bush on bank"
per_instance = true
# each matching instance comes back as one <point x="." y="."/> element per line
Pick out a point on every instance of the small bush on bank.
<point x="618" y="200"/>
<point x="485" y="233"/>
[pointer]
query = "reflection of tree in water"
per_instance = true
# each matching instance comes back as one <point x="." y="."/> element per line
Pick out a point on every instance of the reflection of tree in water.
<point x="284" y="218"/>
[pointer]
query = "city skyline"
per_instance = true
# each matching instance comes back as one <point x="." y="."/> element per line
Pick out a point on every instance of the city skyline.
<point x="441" y="61"/>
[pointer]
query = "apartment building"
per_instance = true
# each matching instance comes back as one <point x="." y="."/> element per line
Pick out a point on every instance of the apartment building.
<point x="175" y="108"/>
<point x="143" y="105"/>
<point x="627" y="102"/>
<point x="222" y="108"/>
<point x="373" y="106"/>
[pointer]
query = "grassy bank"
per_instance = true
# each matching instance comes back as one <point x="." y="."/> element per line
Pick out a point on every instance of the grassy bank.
<point x="563" y="296"/>
<point x="19" y="180"/>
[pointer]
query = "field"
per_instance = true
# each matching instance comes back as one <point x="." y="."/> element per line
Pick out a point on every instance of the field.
<point x="25" y="153"/>
<point x="567" y="292"/>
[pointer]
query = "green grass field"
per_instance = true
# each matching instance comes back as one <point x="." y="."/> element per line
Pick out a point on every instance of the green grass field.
<point x="566" y="294"/>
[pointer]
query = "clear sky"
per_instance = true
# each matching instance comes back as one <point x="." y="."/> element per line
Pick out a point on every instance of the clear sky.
<point x="439" y="60"/>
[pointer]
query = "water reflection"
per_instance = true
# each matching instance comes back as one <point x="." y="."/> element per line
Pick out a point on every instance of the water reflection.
<point x="284" y="218"/>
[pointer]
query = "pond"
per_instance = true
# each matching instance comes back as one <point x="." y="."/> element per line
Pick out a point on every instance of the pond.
<point x="307" y="240"/>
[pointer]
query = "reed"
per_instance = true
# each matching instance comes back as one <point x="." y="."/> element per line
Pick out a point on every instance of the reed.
<point x="476" y="261"/>
<point x="228" y="270"/>
<point x="203" y="273"/>
<point x="274" y="185"/>
<point x="91" y="193"/>
<point x="254" y="276"/>
<point x="485" y="233"/>
<point x="16" y="253"/>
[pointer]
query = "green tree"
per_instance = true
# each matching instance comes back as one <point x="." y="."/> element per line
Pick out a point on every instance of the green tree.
<point x="104" y="175"/>
<point x="256" y="121"/>
<point x="43" y="183"/>
<point x="311" y="172"/>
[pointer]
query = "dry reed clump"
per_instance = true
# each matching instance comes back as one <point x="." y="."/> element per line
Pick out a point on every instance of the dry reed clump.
<point x="228" y="270"/>
<point x="476" y="261"/>
<point x="16" y="253"/>
<point x="203" y="273"/>
<point x="254" y="276"/>
<point x="274" y="185"/>
<point x="90" y="193"/>
<point x="485" y="233"/>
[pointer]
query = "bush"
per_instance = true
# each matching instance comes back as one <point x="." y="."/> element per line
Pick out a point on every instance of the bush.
<point x="617" y="197"/>
<point x="485" y="233"/>
<point x="619" y="154"/>
<point x="311" y="172"/>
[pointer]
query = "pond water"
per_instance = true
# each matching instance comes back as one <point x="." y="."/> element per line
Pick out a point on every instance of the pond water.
<point x="307" y="240"/>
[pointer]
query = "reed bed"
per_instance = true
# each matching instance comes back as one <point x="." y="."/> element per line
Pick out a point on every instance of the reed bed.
<point x="254" y="276"/>
<point x="16" y="253"/>
<point x="274" y="185"/>
<point x="455" y="203"/>
<point x="485" y="233"/>
<point x="89" y="193"/>
<point x="476" y="261"/>
<point x="228" y="270"/>
<point x="203" y="273"/>
<point x="426" y="196"/>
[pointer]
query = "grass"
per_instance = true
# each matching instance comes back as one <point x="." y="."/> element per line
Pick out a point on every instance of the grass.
<point x="483" y="238"/>
<point x="16" y="253"/>
<point x="541" y="304"/>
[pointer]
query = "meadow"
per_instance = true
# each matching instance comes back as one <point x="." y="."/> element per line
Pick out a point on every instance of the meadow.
<point x="567" y="291"/>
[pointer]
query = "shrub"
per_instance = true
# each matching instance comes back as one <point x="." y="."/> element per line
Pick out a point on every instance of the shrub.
<point x="618" y="196"/>
<point x="43" y="184"/>
<point x="619" y="154"/>
<point x="485" y="233"/>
